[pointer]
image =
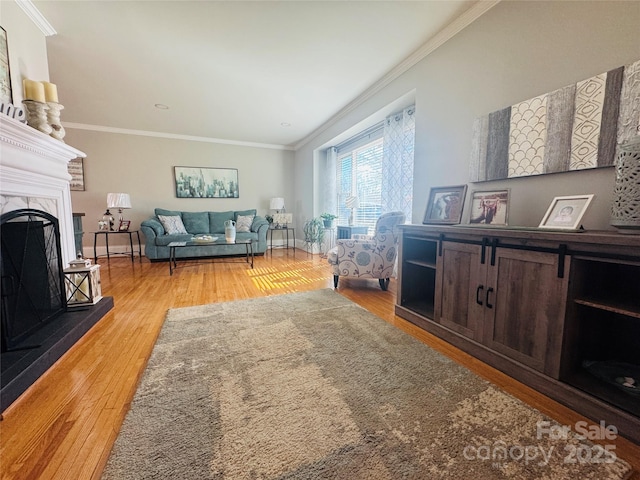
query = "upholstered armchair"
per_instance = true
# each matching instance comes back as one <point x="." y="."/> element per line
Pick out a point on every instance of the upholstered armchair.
<point x="369" y="256"/>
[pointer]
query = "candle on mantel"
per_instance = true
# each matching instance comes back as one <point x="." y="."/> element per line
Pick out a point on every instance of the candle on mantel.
<point x="50" y="92"/>
<point x="33" y="90"/>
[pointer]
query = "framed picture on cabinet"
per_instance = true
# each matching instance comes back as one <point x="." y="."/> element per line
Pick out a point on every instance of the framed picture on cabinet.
<point x="490" y="207"/>
<point x="565" y="213"/>
<point x="445" y="205"/>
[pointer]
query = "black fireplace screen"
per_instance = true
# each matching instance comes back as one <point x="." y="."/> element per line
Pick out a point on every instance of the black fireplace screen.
<point x="32" y="277"/>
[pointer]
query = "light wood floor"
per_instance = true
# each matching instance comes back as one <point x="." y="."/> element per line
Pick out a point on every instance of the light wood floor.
<point x="63" y="427"/>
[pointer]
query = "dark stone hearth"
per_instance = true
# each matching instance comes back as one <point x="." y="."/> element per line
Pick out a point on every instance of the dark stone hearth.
<point x="21" y="368"/>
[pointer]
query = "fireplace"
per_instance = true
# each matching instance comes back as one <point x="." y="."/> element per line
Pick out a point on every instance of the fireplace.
<point x="37" y="243"/>
<point x="32" y="278"/>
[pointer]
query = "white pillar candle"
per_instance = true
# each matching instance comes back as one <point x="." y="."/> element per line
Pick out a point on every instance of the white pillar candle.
<point x="50" y="92"/>
<point x="33" y="90"/>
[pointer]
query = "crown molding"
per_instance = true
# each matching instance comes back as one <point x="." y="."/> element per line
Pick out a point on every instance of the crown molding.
<point x="452" y="29"/>
<point x="36" y="17"/>
<point x="174" y="136"/>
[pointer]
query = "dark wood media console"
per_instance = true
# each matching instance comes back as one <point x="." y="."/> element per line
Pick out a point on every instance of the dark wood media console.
<point x="539" y="306"/>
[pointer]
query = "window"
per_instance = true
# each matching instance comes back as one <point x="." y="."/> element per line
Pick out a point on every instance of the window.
<point x="376" y="166"/>
<point x="360" y="175"/>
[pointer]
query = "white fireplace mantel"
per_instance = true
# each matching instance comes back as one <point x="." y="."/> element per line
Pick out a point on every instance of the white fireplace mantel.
<point x="33" y="173"/>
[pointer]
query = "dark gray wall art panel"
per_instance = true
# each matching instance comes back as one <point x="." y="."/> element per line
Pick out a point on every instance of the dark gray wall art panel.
<point x="573" y="128"/>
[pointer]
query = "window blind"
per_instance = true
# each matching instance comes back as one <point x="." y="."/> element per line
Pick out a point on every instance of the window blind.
<point x="360" y="175"/>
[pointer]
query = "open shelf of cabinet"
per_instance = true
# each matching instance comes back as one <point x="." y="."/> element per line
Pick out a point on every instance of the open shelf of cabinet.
<point x="421" y="263"/>
<point x="418" y="274"/>
<point x="584" y="381"/>
<point x="540" y="306"/>
<point x="603" y="325"/>
<point x="616" y="307"/>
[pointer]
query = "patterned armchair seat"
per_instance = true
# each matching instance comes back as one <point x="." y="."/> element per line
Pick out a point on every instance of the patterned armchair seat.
<point x="369" y="257"/>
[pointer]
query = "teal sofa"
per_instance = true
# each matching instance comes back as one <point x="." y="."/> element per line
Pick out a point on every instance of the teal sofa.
<point x="157" y="240"/>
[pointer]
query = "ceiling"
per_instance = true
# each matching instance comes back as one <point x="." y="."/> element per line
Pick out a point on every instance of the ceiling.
<point x="261" y="72"/>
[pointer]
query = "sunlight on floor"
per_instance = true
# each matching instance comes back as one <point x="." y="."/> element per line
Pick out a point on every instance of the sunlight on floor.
<point x="289" y="276"/>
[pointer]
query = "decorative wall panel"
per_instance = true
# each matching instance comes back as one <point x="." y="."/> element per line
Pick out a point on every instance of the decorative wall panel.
<point x="629" y="119"/>
<point x="610" y="115"/>
<point x="478" y="163"/>
<point x="573" y="128"/>
<point x="527" y="137"/>
<point x="560" y="109"/>
<point x="498" y="144"/>
<point x="586" y="122"/>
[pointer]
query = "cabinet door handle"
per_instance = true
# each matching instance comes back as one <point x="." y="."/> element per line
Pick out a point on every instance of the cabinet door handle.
<point x="489" y="290"/>
<point x="494" y="246"/>
<point x="478" y="290"/>
<point x="483" y="254"/>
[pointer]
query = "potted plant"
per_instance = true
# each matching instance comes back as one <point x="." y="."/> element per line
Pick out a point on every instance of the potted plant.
<point x="313" y="233"/>
<point x="328" y="218"/>
<point x="269" y="219"/>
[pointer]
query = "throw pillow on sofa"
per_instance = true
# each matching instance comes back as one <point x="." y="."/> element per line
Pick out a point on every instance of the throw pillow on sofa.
<point x="253" y="212"/>
<point x="196" y="222"/>
<point x="217" y="221"/>
<point x="172" y="224"/>
<point x="243" y="224"/>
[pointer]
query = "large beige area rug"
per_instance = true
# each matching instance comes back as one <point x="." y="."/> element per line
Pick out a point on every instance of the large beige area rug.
<point x="312" y="386"/>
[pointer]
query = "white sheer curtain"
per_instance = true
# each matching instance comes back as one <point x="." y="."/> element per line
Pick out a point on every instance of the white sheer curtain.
<point x="397" y="165"/>
<point x="329" y="187"/>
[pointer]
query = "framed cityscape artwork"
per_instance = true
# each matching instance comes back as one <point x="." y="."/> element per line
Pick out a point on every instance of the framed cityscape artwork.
<point x="204" y="182"/>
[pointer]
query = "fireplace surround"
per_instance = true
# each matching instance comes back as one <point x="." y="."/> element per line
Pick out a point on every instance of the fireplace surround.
<point x="33" y="168"/>
<point x="34" y="174"/>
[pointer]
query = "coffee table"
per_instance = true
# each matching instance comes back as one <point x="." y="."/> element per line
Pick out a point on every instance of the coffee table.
<point x="217" y="243"/>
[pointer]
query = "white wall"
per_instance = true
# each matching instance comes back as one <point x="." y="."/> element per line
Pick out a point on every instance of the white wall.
<point x="27" y="48"/>
<point x="143" y="167"/>
<point x="515" y="51"/>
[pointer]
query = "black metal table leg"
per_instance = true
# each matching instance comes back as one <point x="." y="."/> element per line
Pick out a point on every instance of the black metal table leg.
<point x="139" y="245"/>
<point x="131" y="245"/>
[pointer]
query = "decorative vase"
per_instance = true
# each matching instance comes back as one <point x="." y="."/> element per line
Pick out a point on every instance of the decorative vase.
<point x="230" y="231"/>
<point x="625" y="211"/>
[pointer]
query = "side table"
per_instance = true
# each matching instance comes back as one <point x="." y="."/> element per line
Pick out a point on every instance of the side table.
<point x="347" y="231"/>
<point x="329" y="240"/>
<point x="283" y="230"/>
<point x="106" y="234"/>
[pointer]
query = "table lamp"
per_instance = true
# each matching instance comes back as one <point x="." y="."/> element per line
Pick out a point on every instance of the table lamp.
<point x="119" y="201"/>
<point x="352" y="203"/>
<point x="277" y="204"/>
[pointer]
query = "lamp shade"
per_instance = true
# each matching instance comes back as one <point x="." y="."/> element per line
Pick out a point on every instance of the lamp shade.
<point x="118" y="200"/>
<point x="277" y="203"/>
<point x="352" y="202"/>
